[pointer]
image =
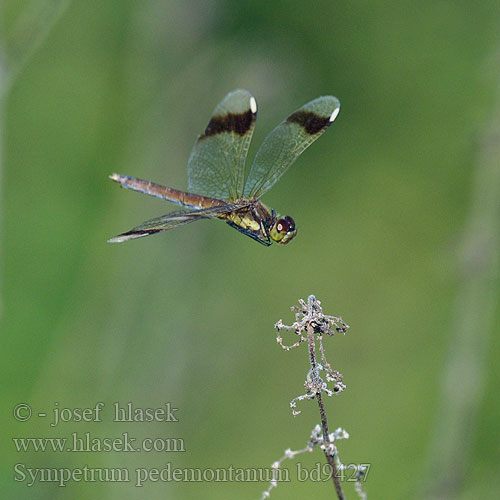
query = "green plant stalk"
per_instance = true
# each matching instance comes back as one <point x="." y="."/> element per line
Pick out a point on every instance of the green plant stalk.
<point x="472" y="327"/>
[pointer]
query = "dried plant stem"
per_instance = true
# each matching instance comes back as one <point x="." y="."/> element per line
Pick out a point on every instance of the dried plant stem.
<point x="324" y="422"/>
<point x="310" y="326"/>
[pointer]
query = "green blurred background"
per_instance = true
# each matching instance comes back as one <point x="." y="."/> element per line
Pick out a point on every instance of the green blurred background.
<point x="387" y="203"/>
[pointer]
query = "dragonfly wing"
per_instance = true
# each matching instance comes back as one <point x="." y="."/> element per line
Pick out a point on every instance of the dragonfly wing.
<point x="216" y="166"/>
<point x="287" y="141"/>
<point x="174" y="219"/>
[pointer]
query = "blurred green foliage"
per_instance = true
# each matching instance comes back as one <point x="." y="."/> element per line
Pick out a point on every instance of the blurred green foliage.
<point x="187" y="316"/>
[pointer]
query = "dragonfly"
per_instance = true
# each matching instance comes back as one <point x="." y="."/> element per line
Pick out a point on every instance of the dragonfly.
<point x="217" y="188"/>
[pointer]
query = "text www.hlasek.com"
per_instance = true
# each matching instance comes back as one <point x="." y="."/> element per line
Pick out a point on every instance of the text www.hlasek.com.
<point x="87" y="443"/>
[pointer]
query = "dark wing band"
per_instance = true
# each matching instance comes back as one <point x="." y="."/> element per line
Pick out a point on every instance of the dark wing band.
<point x="216" y="166"/>
<point x="287" y="141"/>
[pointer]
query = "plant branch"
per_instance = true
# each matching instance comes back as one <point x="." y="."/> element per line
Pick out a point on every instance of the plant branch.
<point x="328" y="446"/>
<point x="310" y="326"/>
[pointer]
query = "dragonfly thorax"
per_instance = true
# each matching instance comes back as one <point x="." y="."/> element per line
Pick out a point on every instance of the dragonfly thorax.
<point x="261" y="224"/>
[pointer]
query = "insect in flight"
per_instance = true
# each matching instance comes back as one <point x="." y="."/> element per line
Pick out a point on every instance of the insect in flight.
<point x="216" y="170"/>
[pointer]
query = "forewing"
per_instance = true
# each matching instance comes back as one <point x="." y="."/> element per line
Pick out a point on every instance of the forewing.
<point x="216" y="166"/>
<point x="173" y="219"/>
<point x="287" y="141"/>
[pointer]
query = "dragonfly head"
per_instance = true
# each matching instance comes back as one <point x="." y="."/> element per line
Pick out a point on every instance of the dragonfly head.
<point x="283" y="230"/>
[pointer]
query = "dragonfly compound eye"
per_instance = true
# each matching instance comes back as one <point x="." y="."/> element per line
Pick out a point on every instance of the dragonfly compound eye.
<point x="283" y="230"/>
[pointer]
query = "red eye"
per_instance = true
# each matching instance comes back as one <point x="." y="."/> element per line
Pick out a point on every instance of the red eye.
<point x="285" y="225"/>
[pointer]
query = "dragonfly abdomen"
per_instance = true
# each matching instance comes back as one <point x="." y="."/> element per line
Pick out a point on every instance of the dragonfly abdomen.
<point x="166" y="193"/>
